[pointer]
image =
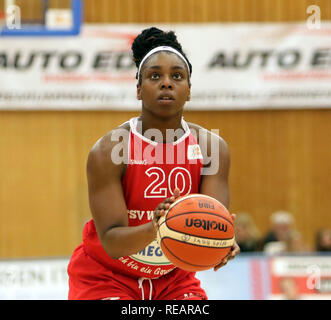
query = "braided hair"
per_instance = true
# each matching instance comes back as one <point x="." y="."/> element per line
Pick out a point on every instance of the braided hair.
<point x="151" y="38"/>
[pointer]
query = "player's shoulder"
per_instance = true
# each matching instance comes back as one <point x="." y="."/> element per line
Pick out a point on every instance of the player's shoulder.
<point x="204" y="135"/>
<point x="101" y="151"/>
<point x="111" y="138"/>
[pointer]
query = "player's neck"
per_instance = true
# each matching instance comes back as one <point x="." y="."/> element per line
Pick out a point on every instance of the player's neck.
<point x="149" y="121"/>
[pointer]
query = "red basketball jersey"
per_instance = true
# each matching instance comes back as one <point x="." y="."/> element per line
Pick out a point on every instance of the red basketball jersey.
<point x="153" y="172"/>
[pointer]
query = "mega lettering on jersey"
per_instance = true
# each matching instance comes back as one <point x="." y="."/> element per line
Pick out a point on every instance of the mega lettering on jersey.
<point x="150" y="262"/>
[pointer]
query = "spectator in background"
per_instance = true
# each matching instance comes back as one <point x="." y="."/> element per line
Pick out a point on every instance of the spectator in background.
<point x="246" y="232"/>
<point x="282" y="223"/>
<point x="295" y="243"/>
<point x="323" y="240"/>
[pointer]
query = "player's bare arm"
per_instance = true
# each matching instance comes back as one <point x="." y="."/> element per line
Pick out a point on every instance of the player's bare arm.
<point x="108" y="206"/>
<point x="216" y="185"/>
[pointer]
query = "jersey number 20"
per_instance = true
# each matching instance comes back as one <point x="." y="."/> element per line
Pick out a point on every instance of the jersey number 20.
<point x="178" y="178"/>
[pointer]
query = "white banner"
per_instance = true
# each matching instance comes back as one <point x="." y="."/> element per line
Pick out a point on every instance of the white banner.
<point x="257" y="277"/>
<point x="235" y="66"/>
<point x="34" y="279"/>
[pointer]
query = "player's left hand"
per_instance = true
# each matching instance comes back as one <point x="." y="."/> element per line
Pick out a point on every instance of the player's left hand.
<point x="163" y="207"/>
<point x="235" y="249"/>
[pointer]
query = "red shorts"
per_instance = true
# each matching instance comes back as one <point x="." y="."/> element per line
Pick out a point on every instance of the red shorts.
<point x="90" y="280"/>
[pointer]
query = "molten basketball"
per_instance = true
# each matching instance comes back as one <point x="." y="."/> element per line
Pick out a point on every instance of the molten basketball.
<point x="196" y="232"/>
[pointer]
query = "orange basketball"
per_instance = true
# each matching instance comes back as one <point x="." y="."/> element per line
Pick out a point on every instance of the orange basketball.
<point x="196" y="232"/>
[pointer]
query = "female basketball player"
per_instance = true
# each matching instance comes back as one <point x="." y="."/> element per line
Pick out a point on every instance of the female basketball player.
<point x="119" y="257"/>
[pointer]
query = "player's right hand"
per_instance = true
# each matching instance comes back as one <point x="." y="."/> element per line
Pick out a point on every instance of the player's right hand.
<point x="163" y="207"/>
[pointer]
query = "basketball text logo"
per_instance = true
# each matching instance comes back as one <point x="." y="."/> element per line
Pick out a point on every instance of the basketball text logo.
<point x="206" y="205"/>
<point x="206" y="224"/>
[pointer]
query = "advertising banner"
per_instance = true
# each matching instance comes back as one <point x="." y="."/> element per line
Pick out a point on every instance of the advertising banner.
<point x="235" y="66"/>
<point x="247" y="277"/>
<point x="299" y="278"/>
<point x="34" y="279"/>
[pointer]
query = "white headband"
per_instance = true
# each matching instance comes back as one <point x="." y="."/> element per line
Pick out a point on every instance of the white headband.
<point x="162" y="48"/>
